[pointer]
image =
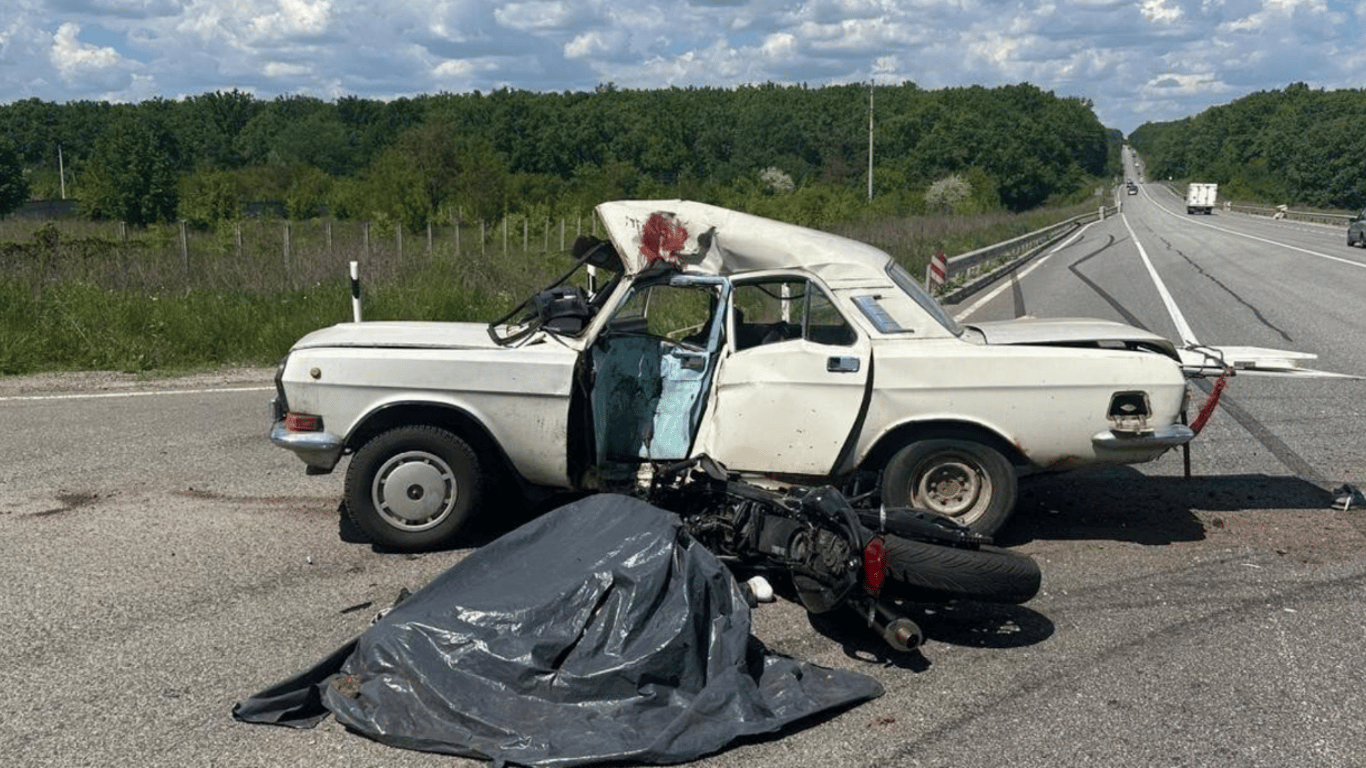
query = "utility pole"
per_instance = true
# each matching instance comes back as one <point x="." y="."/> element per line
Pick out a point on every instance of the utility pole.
<point x="61" y="170"/>
<point x="870" y="141"/>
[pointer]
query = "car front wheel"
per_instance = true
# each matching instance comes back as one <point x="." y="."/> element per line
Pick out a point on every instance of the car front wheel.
<point x="412" y="488"/>
<point x="964" y="480"/>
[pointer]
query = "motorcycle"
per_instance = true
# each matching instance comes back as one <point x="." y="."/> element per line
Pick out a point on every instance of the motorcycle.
<point x="835" y="554"/>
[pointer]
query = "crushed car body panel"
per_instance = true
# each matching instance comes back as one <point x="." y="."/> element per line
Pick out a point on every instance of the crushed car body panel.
<point x="776" y="349"/>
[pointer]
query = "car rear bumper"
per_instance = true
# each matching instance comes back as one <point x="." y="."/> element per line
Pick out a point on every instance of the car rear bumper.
<point x="1142" y="446"/>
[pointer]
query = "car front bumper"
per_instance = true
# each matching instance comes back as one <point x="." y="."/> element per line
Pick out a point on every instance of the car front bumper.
<point x="319" y="450"/>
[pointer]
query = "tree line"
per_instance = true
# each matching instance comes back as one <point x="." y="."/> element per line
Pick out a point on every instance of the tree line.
<point x="791" y="152"/>
<point x="1297" y="146"/>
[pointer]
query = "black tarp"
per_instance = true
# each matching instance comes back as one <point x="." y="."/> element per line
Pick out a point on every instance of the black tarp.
<point x="598" y="632"/>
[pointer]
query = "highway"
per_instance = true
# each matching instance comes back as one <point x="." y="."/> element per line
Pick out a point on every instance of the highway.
<point x="161" y="561"/>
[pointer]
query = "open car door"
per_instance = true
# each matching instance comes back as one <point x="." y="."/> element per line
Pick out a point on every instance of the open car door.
<point x="652" y="366"/>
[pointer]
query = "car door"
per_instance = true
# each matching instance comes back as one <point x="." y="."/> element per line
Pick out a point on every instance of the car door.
<point x="791" y="388"/>
<point x="652" y="367"/>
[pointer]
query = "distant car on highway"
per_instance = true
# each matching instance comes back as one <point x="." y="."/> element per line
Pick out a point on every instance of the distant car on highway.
<point x="1356" y="231"/>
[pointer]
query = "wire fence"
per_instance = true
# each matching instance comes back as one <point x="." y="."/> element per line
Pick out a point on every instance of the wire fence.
<point x="262" y="254"/>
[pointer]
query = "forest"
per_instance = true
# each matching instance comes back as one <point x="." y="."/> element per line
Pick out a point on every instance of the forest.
<point x="1298" y="146"/>
<point x="788" y="151"/>
<point x="216" y="229"/>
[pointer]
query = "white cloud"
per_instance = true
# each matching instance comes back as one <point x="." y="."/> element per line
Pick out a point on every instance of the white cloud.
<point x="78" y="62"/>
<point x="1137" y="61"/>
<point x="1159" y="11"/>
<point x="539" y="16"/>
<point x="293" y="19"/>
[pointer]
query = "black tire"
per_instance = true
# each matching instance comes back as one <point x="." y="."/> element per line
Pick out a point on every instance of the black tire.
<point x="413" y="488"/>
<point x="923" y="572"/>
<point x="959" y="479"/>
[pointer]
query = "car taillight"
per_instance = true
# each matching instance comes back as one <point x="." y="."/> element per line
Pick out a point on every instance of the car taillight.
<point x="874" y="565"/>
<point x="303" y="422"/>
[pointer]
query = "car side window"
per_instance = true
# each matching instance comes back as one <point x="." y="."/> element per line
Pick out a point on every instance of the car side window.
<point x="677" y="313"/>
<point x="779" y="310"/>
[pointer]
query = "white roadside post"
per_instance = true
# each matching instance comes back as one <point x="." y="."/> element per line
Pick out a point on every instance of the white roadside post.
<point x="355" y="291"/>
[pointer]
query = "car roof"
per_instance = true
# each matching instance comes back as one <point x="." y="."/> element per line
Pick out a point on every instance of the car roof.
<point x="707" y="239"/>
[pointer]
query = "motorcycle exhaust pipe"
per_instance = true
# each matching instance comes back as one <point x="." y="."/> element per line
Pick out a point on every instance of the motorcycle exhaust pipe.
<point x="898" y="631"/>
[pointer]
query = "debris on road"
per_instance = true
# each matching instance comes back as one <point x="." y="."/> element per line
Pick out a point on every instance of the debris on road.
<point x="600" y="632"/>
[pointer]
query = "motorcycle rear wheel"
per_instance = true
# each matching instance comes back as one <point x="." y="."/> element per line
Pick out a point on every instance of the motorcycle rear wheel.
<point x="924" y="572"/>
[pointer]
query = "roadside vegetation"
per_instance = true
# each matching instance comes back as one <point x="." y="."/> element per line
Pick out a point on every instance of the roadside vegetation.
<point x="75" y="296"/>
<point x="1298" y="146"/>
<point x="216" y="229"/>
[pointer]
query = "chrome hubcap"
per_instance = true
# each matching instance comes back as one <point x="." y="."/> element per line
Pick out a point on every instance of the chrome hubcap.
<point x="415" y="490"/>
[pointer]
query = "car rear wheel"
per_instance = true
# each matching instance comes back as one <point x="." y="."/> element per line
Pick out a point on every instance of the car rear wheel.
<point x="964" y="480"/>
<point x="412" y="488"/>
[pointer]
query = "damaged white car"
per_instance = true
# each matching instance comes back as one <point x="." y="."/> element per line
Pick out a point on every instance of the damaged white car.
<point x="786" y="354"/>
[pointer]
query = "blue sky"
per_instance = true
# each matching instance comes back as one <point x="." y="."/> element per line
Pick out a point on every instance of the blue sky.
<point x="1136" y="60"/>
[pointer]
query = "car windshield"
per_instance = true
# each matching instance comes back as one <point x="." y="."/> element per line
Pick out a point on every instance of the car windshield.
<point x="911" y="288"/>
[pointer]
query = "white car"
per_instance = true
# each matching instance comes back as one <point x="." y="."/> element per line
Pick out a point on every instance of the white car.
<point x="787" y="354"/>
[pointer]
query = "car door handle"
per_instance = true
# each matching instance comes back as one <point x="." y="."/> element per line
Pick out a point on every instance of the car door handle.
<point x="842" y="364"/>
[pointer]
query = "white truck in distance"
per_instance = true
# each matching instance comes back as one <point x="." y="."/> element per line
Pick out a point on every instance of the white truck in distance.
<point x="1200" y="198"/>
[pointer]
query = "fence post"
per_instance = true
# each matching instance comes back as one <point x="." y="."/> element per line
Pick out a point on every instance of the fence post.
<point x="429" y="237"/>
<point x="185" y="252"/>
<point x="562" y="233"/>
<point x="286" y="255"/>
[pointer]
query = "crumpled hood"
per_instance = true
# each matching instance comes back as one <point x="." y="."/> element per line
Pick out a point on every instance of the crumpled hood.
<point x="1068" y="330"/>
<point x="400" y="334"/>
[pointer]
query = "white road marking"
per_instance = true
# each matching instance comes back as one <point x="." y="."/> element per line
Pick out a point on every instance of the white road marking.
<point x="1182" y="327"/>
<point x="1217" y="228"/>
<point x="140" y="393"/>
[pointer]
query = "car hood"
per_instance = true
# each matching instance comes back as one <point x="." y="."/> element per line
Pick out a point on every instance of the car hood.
<point x="400" y="334"/>
<point x="1069" y="331"/>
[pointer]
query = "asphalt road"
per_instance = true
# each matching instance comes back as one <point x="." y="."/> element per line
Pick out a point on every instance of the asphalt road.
<point x="161" y="561"/>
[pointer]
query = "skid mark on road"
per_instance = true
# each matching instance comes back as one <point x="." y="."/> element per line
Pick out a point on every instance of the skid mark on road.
<point x="69" y="502"/>
<point x="1215" y="616"/>
<point x="1074" y="268"/>
<point x="1268" y="439"/>
<point x="1257" y="313"/>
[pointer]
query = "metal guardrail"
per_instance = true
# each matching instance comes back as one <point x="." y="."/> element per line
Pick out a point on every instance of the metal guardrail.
<point x="972" y="271"/>
<point x="1282" y="212"/>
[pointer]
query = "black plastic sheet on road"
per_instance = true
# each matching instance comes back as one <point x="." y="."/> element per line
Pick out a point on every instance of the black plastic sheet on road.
<point x="599" y="632"/>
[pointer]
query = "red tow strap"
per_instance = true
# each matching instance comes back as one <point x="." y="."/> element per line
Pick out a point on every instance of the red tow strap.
<point x="1207" y="408"/>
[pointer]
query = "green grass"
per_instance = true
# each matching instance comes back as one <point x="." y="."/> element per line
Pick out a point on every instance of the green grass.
<point x="79" y="296"/>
